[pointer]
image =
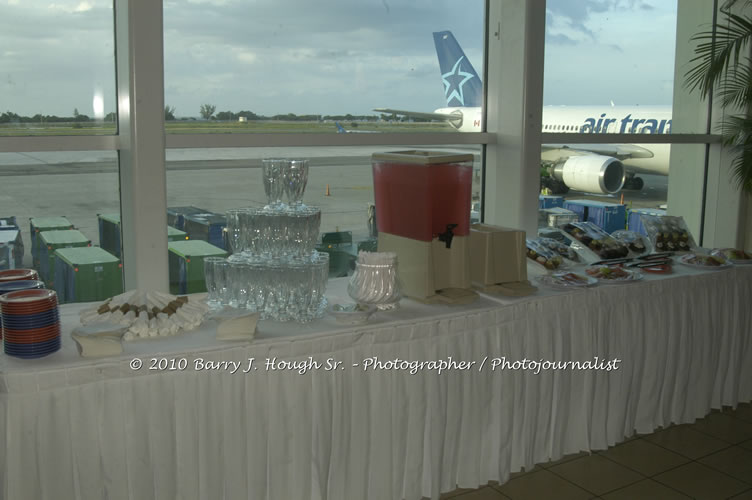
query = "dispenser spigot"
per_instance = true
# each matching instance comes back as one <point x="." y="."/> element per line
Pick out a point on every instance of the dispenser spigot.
<point x="447" y="235"/>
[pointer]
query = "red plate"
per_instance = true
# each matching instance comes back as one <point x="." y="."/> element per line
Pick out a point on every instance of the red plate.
<point x="18" y="274"/>
<point x="16" y="338"/>
<point x="28" y="296"/>
<point x="27" y="308"/>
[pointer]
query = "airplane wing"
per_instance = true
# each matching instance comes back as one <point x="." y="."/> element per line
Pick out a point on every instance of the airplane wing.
<point x="424" y="116"/>
<point x="556" y="152"/>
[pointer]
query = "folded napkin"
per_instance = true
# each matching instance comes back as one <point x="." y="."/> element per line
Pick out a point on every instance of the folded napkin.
<point x="99" y="339"/>
<point x="235" y="324"/>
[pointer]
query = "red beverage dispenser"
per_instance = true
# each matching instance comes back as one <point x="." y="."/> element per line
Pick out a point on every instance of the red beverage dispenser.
<point x="423" y="201"/>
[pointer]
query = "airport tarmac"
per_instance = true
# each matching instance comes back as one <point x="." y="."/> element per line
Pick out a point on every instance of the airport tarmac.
<point x="80" y="185"/>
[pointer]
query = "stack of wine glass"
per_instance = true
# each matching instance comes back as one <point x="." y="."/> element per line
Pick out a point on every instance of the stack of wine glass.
<point x="274" y="268"/>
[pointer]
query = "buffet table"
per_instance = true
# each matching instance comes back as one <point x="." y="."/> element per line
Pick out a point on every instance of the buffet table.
<point x="182" y="427"/>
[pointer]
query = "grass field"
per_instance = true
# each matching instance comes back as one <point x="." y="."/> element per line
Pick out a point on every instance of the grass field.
<point x="218" y="127"/>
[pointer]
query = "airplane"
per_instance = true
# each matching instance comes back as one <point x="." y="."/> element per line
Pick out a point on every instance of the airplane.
<point x="591" y="168"/>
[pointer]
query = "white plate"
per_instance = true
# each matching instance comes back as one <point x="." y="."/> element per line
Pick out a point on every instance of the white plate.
<point x="633" y="276"/>
<point x="554" y="281"/>
<point x="684" y="260"/>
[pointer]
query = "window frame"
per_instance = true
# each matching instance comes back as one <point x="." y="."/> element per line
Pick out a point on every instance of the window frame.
<point x="512" y="129"/>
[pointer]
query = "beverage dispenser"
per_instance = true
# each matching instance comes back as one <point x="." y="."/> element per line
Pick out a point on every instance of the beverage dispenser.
<point x="423" y="201"/>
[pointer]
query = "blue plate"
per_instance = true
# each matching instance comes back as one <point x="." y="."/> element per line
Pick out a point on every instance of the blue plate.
<point x="23" y="317"/>
<point x="33" y="355"/>
<point x="29" y="325"/>
<point x="30" y="321"/>
<point x="31" y="317"/>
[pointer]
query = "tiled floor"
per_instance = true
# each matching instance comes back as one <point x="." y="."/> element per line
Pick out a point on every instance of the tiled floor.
<point x="710" y="459"/>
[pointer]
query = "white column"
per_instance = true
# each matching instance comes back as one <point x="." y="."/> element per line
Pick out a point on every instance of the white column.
<point x="143" y="191"/>
<point x="514" y="106"/>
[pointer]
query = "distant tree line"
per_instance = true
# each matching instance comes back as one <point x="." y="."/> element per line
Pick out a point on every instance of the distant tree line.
<point x="207" y="112"/>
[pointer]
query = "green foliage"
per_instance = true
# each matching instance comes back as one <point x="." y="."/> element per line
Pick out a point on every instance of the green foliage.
<point x="721" y="68"/>
<point x="207" y="111"/>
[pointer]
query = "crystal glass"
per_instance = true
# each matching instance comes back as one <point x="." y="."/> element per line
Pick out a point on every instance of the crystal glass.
<point x="257" y="282"/>
<point x="296" y="178"/>
<point x="239" y="284"/>
<point x="210" y="278"/>
<point x="302" y="231"/>
<point x="234" y="231"/>
<point x="320" y="275"/>
<point x="375" y="284"/>
<point x="274" y="181"/>
<point x="277" y="292"/>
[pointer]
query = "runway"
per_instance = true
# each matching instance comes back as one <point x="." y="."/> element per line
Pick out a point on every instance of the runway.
<point x="80" y="185"/>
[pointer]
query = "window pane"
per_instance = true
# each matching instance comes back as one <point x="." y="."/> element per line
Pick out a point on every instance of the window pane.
<point x="62" y="195"/>
<point x="58" y="67"/>
<point x="599" y="53"/>
<point x="340" y="181"/>
<point x="610" y="69"/>
<point x="253" y="67"/>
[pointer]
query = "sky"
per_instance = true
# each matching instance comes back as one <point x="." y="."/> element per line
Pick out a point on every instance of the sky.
<point x="324" y="56"/>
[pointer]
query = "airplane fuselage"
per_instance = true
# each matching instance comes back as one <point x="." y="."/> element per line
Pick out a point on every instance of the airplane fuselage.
<point x="594" y="120"/>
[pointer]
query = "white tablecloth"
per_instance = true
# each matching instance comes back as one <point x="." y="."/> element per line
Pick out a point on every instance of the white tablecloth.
<point x="93" y="429"/>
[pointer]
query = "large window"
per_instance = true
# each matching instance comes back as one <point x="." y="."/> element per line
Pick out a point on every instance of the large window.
<point x="301" y="67"/>
<point x="57" y="61"/>
<point x="610" y="72"/>
<point x="340" y="180"/>
<point x="308" y="68"/>
<point x="58" y="159"/>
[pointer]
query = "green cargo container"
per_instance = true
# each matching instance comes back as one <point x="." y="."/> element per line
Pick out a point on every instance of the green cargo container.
<point x="109" y="233"/>
<point x="49" y="242"/>
<point x="39" y="224"/>
<point x="187" y="265"/>
<point x="87" y="274"/>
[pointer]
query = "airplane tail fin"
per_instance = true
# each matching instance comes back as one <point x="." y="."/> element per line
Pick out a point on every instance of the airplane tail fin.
<point x="340" y="128"/>
<point x="462" y="85"/>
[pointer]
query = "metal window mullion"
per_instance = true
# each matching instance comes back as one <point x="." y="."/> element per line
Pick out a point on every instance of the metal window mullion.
<point x="28" y="144"/>
<point x="178" y="141"/>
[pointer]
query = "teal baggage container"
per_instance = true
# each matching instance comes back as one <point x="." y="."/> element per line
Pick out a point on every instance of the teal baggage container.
<point x="51" y="241"/>
<point x="186" y="260"/>
<point x="39" y="224"/>
<point x="109" y="233"/>
<point x="87" y="274"/>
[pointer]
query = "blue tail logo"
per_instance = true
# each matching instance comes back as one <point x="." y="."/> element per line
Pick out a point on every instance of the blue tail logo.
<point x="462" y="85"/>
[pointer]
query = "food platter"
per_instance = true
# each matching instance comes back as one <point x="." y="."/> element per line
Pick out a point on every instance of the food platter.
<point x="613" y="275"/>
<point x="736" y="256"/>
<point x="564" y="280"/>
<point x="705" y="262"/>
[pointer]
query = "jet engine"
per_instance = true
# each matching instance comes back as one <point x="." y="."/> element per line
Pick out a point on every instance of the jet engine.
<point x="591" y="173"/>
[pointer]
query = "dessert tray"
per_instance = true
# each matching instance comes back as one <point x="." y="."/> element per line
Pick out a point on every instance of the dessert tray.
<point x="565" y="280"/>
<point x="613" y="275"/>
<point x="706" y="262"/>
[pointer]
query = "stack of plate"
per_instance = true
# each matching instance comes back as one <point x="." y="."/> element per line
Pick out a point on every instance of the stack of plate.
<point x="31" y="323"/>
<point x="12" y="286"/>
<point x="18" y="274"/>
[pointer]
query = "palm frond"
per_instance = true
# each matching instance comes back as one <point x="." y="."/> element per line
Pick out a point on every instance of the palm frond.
<point x="741" y="167"/>
<point x="735" y="89"/>
<point x="736" y="134"/>
<point x="717" y="52"/>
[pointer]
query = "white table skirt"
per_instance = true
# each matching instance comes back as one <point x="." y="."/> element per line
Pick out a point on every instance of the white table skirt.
<point x="76" y="428"/>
